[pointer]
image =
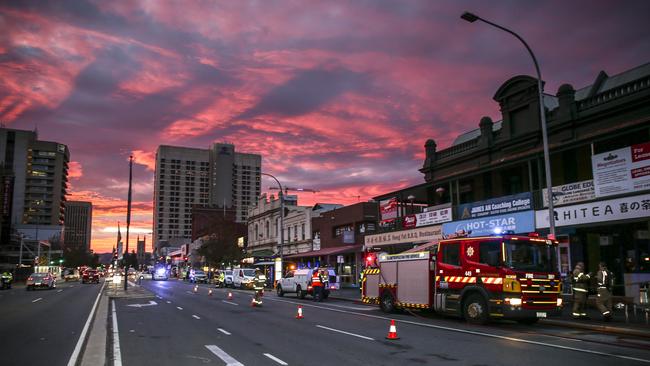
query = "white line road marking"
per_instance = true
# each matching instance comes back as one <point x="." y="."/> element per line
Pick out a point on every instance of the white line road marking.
<point x="59" y="291"/>
<point x="77" y="349"/>
<point x="228" y="302"/>
<point x="39" y="299"/>
<point x="344" y="332"/>
<point x="196" y="317"/>
<point x="489" y="335"/>
<point x="190" y="292"/>
<point x="275" y="359"/>
<point x="117" y="353"/>
<point x="160" y="297"/>
<point x="179" y="308"/>
<point x="223" y="356"/>
<point x="223" y="331"/>
<point x="169" y="302"/>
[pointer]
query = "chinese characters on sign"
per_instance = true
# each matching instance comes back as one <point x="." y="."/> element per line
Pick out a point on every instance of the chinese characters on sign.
<point x="610" y="210"/>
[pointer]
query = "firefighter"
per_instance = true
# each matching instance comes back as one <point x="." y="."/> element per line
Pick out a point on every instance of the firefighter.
<point x="580" y="291"/>
<point x="258" y="286"/>
<point x="317" y="285"/>
<point x="604" y="284"/>
<point x="222" y="278"/>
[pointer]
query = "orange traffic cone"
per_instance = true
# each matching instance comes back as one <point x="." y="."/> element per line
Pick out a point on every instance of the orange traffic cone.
<point x="253" y="302"/>
<point x="229" y="295"/>
<point x="299" y="315"/>
<point x="210" y="292"/>
<point x="392" y="331"/>
<point x="196" y="288"/>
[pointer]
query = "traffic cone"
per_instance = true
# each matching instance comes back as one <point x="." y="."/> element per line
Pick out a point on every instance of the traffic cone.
<point x="229" y="295"/>
<point x="210" y="292"/>
<point x="299" y="315"/>
<point x="392" y="331"/>
<point x="196" y="288"/>
<point x="253" y="302"/>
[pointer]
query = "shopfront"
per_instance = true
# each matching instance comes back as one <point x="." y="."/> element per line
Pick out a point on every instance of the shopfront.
<point x="346" y="261"/>
<point x="614" y="231"/>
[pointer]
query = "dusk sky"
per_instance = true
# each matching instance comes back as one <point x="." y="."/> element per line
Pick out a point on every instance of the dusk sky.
<point x="338" y="96"/>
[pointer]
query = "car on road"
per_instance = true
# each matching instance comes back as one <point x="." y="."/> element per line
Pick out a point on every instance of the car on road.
<point x="40" y="280"/>
<point x="198" y="276"/>
<point x="70" y="274"/>
<point x="299" y="282"/>
<point x="243" y="277"/>
<point x="90" y="276"/>
<point x="228" y="278"/>
<point x="160" y="274"/>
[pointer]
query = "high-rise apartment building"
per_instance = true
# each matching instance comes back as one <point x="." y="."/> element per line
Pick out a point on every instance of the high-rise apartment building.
<point x="78" y="224"/>
<point x="217" y="177"/>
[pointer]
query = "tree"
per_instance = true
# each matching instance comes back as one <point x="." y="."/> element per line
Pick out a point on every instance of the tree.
<point x="220" y="246"/>
<point x="131" y="259"/>
<point x="76" y="257"/>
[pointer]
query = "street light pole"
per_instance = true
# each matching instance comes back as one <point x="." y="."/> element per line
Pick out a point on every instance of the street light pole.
<point x="542" y="115"/>
<point x="281" y="197"/>
<point x="128" y="222"/>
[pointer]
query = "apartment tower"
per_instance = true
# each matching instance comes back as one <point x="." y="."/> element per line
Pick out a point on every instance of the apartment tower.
<point x="78" y="225"/>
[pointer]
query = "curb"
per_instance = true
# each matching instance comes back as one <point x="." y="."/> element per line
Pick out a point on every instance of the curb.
<point x="560" y="323"/>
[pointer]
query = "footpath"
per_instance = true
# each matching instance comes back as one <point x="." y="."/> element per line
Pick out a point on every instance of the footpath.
<point x="634" y="325"/>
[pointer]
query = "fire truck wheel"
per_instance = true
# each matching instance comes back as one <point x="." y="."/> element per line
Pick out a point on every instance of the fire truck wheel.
<point x="387" y="303"/>
<point x="475" y="309"/>
<point x="279" y="291"/>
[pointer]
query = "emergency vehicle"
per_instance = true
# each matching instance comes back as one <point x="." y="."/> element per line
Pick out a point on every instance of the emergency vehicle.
<point x="477" y="278"/>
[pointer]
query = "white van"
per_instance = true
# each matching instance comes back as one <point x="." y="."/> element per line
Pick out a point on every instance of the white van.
<point x="243" y="277"/>
<point x="299" y="282"/>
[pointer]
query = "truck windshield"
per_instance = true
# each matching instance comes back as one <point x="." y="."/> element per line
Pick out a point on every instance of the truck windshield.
<point x="530" y="256"/>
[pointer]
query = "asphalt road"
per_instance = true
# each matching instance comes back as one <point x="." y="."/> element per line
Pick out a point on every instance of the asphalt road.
<point x="187" y="328"/>
<point x="42" y="327"/>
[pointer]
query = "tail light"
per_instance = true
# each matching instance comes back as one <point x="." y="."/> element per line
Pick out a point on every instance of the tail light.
<point x="30" y="278"/>
<point x="309" y="288"/>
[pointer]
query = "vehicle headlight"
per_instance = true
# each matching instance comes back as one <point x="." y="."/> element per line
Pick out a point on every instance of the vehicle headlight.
<point x="514" y="301"/>
<point x="559" y="302"/>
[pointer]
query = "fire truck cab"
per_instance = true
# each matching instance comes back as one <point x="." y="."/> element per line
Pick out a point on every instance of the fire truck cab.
<point x="477" y="278"/>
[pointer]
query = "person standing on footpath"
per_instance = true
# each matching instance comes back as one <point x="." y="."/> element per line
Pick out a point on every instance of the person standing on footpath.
<point x="604" y="285"/>
<point x="580" y="291"/>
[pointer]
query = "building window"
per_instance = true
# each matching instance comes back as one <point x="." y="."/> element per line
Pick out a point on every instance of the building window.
<point x="302" y="235"/>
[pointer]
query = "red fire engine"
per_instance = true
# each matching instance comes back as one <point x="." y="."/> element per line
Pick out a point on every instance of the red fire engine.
<point x="479" y="278"/>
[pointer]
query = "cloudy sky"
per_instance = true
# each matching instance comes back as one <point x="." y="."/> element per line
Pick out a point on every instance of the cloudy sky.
<point x="339" y="96"/>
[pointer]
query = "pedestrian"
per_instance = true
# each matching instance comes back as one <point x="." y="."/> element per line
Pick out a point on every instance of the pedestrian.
<point x="580" y="291"/>
<point x="604" y="285"/>
<point x="317" y="285"/>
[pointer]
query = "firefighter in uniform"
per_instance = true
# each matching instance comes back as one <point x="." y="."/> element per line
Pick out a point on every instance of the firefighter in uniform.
<point x="258" y="286"/>
<point x="222" y="278"/>
<point x="317" y="285"/>
<point x="604" y="284"/>
<point x="580" y="291"/>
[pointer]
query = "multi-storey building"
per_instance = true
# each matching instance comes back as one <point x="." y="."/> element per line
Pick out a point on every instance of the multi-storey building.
<point x="599" y="140"/>
<point x="35" y="183"/>
<point x="78" y="225"/>
<point x="216" y="177"/>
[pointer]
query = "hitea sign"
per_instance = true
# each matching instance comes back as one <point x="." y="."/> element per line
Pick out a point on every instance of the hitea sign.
<point x="495" y="206"/>
<point x="571" y="193"/>
<point x="622" y="171"/>
<point x="517" y="222"/>
<point x="610" y="210"/>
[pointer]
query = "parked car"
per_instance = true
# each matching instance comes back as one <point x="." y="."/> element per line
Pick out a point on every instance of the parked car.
<point x="40" y="280"/>
<point x="299" y="282"/>
<point x="243" y="277"/>
<point x="228" y="278"/>
<point x="90" y="276"/>
<point x="198" y="276"/>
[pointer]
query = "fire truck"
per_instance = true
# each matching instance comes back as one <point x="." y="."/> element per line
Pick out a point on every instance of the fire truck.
<point x="476" y="278"/>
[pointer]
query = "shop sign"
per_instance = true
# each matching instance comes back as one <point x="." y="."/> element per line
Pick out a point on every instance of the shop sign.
<point x="622" y="171"/>
<point x="433" y="217"/>
<point x="388" y="208"/>
<point x="610" y="210"/>
<point x="348" y="237"/>
<point x="404" y="236"/>
<point x="517" y="222"/>
<point x="571" y="193"/>
<point x="496" y="206"/>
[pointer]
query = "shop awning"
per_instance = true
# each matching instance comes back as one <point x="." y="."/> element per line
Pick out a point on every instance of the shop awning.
<point x="327" y="251"/>
<point x="422" y="248"/>
<point x="262" y="253"/>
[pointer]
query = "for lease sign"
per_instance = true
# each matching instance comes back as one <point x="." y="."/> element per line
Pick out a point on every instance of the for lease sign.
<point x="622" y="171"/>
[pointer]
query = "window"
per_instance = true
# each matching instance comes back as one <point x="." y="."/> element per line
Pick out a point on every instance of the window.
<point x="450" y="254"/>
<point x="489" y="252"/>
<point x="303" y="231"/>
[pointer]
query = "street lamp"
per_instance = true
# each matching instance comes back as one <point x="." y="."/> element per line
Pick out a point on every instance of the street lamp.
<point x="540" y="91"/>
<point x="281" y="197"/>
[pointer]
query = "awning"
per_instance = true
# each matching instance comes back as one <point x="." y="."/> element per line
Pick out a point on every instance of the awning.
<point x="327" y="251"/>
<point x="264" y="263"/>
<point x="422" y="248"/>
<point x="262" y="253"/>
